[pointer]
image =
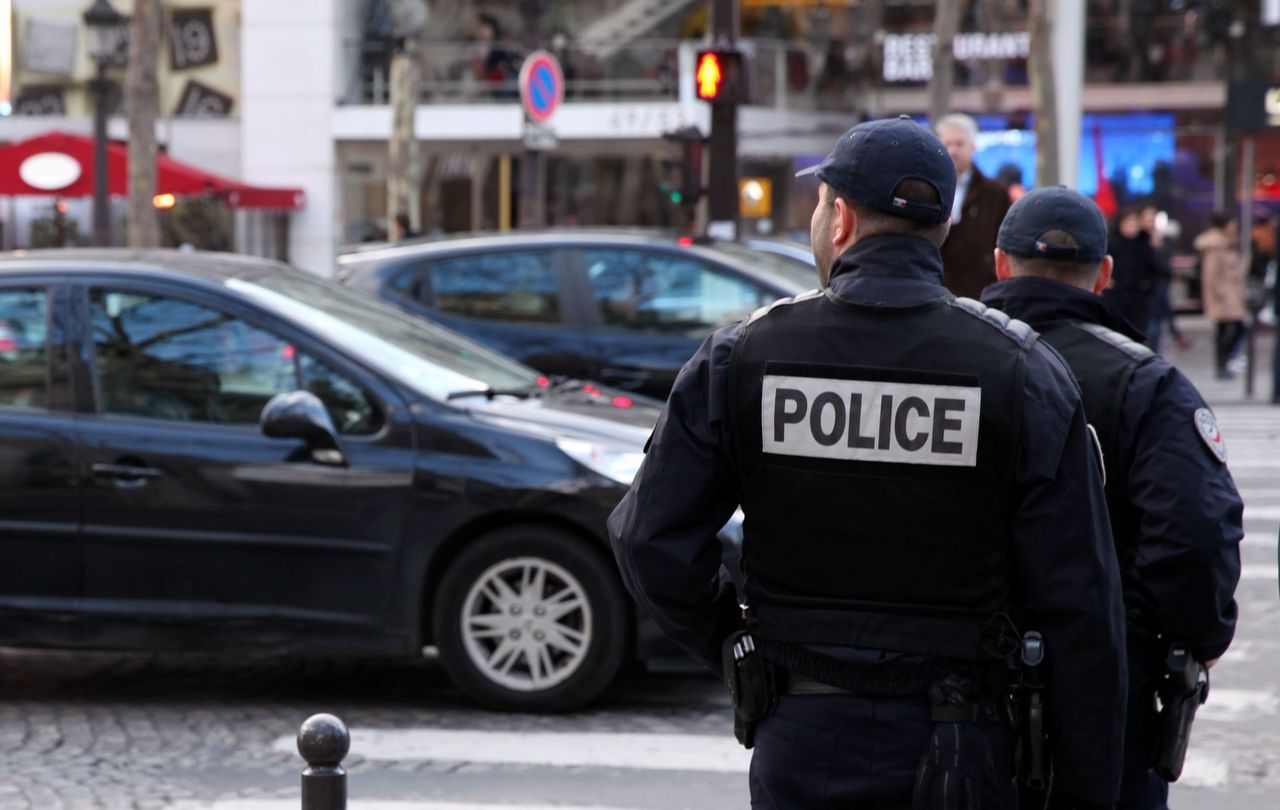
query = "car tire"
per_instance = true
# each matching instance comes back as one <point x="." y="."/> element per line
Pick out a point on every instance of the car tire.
<point x="531" y="619"/>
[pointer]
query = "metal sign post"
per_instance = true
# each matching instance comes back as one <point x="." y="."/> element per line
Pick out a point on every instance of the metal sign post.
<point x="541" y="91"/>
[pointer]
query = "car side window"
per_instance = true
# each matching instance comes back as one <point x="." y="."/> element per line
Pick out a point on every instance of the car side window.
<point x="24" y="370"/>
<point x="508" y="286"/>
<point x="165" y="358"/>
<point x="353" y="411"/>
<point x="650" y="291"/>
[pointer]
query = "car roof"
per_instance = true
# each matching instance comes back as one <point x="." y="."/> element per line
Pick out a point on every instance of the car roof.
<point x="209" y="266"/>
<point x="500" y="239"/>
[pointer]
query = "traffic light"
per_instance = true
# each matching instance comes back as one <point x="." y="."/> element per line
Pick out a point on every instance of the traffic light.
<point x="684" y="174"/>
<point x="718" y="77"/>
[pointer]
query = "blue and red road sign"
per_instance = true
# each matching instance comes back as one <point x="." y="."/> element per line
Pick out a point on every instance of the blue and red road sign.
<point x="541" y="86"/>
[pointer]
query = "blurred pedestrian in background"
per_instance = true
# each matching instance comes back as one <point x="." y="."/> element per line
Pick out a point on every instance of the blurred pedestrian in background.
<point x="1222" y="287"/>
<point x="1010" y="174"/>
<point x="1161" y="232"/>
<point x="1133" y="281"/>
<point x="968" y="262"/>
<point x="491" y="61"/>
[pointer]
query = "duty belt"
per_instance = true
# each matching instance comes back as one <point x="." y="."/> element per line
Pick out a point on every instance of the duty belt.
<point x="929" y="636"/>
<point x="805" y="672"/>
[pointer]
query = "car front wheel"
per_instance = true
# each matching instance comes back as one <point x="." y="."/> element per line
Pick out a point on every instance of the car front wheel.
<point x="531" y="619"/>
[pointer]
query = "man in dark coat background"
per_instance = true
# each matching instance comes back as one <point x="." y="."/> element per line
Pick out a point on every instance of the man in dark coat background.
<point x="976" y="214"/>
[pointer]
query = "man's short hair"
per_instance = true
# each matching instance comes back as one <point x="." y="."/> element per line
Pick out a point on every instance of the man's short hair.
<point x="876" y="223"/>
<point x="1058" y="269"/>
<point x="959" y="121"/>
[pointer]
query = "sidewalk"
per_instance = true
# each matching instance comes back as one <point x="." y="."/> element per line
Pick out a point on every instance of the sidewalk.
<point x="1197" y="363"/>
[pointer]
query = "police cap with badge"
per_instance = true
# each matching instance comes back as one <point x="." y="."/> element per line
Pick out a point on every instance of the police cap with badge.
<point x="1056" y="208"/>
<point x="872" y="158"/>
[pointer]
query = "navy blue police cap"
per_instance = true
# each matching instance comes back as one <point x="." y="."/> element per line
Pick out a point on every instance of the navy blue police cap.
<point x="1055" y="208"/>
<point x="872" y="158"/>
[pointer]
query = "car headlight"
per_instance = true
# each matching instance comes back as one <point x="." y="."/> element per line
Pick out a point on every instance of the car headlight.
<point x="611" y="462"/>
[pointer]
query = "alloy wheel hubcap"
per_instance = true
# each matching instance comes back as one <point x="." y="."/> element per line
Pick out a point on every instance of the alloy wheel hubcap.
<point x="526" y="624"/>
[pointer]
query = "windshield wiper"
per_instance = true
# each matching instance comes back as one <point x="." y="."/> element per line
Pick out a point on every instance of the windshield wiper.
<point x="554" y="384"/>
<point x="490" y="393"/>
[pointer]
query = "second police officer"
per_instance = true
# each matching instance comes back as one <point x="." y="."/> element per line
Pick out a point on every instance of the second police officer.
<point x="1175" y="512"/>
<point x="919" y="490"/>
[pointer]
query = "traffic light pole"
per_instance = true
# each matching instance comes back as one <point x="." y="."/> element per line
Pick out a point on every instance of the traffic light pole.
<point x="722" y="183"/>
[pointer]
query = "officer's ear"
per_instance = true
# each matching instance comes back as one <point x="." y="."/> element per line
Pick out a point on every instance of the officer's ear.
<point x="845" y="221"/>
<point x="1104" y="274"/>
<point x="1004" y="270"/>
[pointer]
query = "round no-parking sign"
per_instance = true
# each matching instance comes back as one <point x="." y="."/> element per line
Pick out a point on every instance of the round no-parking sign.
<point x="541" y="86"/>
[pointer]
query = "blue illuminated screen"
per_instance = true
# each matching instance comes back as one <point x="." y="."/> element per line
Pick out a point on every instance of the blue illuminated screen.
<point x="1133" y="143"/>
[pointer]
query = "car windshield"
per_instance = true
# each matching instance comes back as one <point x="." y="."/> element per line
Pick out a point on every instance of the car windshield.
<point x="794" y="270"/>
<point x="434" y="361"/>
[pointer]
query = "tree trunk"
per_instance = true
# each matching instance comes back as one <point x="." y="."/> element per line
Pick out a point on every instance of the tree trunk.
<point x="993" y="81"/>
<point x="946" y="22"/>
<point x="403" y="166"/>
<point x="142" y="105"/>
<point x="1044" y="98"/>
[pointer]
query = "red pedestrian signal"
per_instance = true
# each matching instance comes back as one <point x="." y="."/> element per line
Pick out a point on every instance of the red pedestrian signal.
<point x="709" y="76"/>
<point x="718" y="77"/>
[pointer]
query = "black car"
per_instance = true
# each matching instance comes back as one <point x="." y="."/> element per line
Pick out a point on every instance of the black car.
<point x="208" y="452"/>
<point x="625" y="308"/>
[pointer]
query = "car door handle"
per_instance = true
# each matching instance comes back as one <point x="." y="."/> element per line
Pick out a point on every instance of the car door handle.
<point x="127" y="472"/>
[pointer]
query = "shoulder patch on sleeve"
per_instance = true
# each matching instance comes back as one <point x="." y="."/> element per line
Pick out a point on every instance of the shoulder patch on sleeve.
<point x="1207" y="429"/>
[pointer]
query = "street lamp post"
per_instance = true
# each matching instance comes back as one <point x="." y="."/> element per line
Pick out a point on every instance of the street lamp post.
<point x="103" y="23"/>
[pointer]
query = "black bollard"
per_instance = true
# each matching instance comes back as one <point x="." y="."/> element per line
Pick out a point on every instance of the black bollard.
<point x="323" y="741"/>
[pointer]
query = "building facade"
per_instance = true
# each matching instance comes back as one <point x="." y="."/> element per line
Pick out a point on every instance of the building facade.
<point x="295" y="93"/>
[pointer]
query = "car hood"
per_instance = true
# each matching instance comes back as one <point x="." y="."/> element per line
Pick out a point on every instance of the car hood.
<point x="583" y="411"/>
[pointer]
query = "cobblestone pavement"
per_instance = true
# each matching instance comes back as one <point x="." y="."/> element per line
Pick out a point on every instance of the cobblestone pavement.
<point x="149" y="732"/>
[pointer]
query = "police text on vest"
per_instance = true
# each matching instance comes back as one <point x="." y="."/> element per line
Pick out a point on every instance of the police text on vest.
<point x="864" y="420"/>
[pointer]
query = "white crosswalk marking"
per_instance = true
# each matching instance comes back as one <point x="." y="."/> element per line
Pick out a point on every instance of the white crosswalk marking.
<point x="292" y="804"/>
<point x="567" y="749"/>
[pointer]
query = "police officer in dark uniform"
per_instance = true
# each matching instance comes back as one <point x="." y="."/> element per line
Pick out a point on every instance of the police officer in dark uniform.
<point x="919" y="489"/>
<point x="1175" y="512"/>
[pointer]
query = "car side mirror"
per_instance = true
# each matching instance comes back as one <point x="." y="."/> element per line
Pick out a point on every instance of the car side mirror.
<point x="301" y="415"/>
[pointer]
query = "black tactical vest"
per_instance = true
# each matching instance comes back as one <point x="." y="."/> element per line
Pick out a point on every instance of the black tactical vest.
<point x="1102" y="361"/>
<point x="876" y="450"/>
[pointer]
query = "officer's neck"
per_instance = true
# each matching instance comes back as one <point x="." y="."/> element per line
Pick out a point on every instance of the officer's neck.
<point x="893" y="254"/>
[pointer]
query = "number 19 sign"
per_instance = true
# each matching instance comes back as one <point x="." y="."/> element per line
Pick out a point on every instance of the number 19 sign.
<point x="541" y="86"/>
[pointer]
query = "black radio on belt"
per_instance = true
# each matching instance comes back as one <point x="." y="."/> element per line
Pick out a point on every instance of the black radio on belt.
<point x="747" y="676"/>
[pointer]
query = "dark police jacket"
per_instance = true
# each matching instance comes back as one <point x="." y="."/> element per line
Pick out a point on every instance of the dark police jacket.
<point x="1175" y="511"/>
<point x="1043" y="522"/>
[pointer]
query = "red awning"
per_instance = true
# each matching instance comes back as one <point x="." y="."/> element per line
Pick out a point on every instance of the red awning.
<point x="60" y="164"/>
